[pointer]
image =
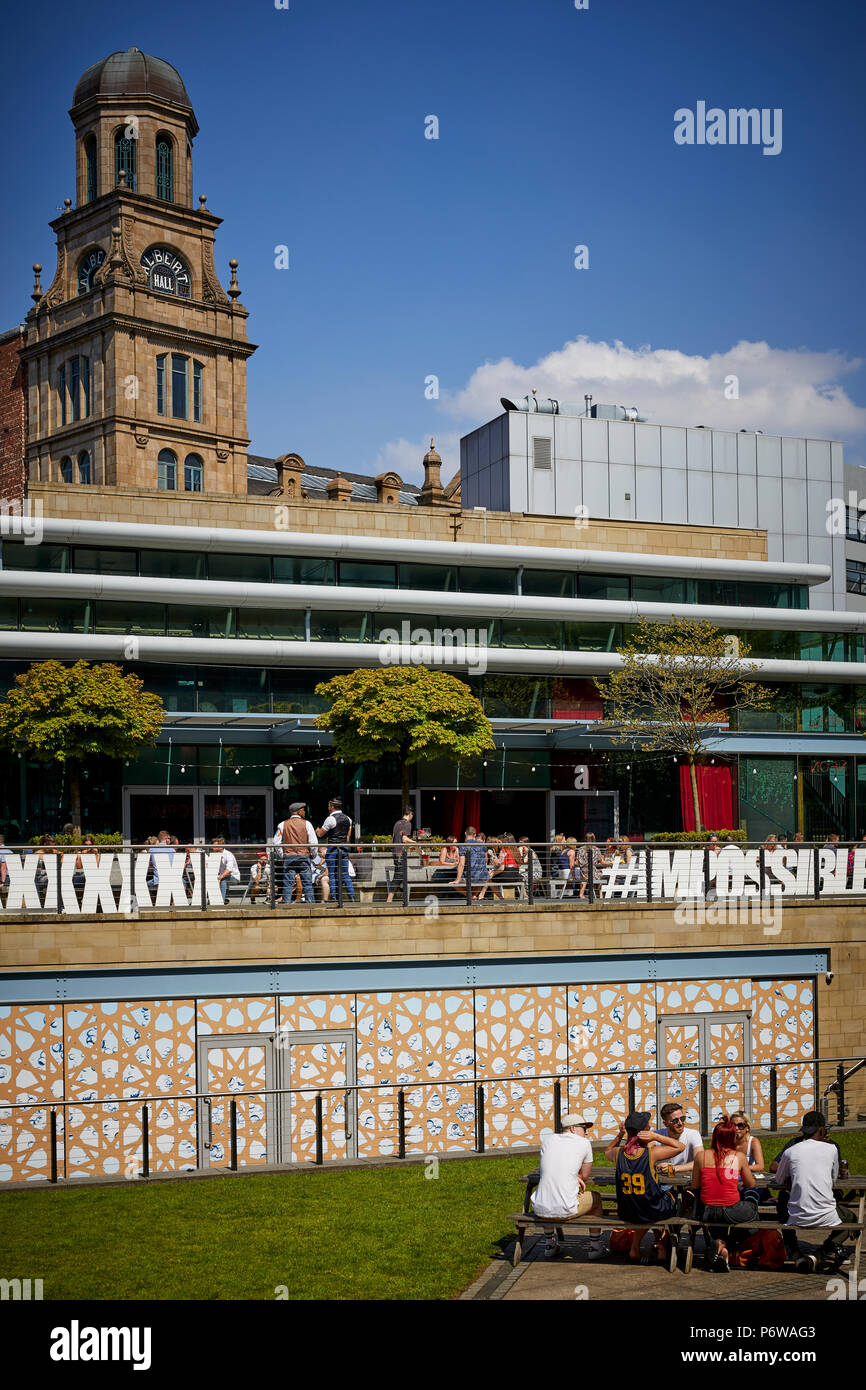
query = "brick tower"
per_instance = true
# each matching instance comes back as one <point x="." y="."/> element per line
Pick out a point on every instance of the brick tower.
<point x="136" y="355"/>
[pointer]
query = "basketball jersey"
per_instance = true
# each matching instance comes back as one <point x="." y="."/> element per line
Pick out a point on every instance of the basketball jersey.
<point x="639" y="1198"/>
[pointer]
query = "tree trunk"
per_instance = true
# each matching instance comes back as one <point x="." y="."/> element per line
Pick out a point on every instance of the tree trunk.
<point x="74" y="775"/>
<point x="695" y="802"/>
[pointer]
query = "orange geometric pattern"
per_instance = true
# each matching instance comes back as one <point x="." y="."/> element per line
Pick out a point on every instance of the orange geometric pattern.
<point x="520" y="1032"/>
<point x="255" y="1013"/>
<point x="239" y="1067"/>
<point x="127" y="1051"/>
<point x="611" y="1029"/>
<point x="31" y="1069"/>
<point x="783" y="1020"/>
<point x="312" y="1067"/>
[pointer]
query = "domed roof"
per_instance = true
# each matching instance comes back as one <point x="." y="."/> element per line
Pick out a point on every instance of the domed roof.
<point x="132" y="73"/>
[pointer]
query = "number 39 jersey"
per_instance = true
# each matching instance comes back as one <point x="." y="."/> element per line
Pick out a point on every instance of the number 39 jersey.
<point x="639" y="1198"/>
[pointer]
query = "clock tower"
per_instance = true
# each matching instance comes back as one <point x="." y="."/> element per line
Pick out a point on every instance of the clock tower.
<point x="135" y="354"/>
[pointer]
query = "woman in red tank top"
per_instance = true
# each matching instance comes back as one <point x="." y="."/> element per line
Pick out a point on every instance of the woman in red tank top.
<point x="716" y="1176"/>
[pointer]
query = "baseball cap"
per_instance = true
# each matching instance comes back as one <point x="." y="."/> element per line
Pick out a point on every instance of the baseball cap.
<point x="637" y="1120"/>
<point x="574" y="1119"/>
<point x="813" y="1120"/>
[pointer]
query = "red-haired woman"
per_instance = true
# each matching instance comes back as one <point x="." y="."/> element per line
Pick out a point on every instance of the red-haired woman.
<point x="716" y="1176"/>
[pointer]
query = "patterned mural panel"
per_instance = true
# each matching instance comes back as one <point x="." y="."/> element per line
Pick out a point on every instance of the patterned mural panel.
<point x="241" y="1067"/>
<point x="127" y="1051"/>
<point x="681" y="1049"/>
<point x="520" y="1032"/>
<point x="703" y="996"/>
<point x="31" y="1069"/>
<point x="252" y="1014"/>
<point x="611" y="1028"/>
<point x="783" y="1022"/>
<point x="317" y="1064"/>
<point x="727" y="1078"/>
<point x="300" y="1013"/>
<point x="413" y="1037"/>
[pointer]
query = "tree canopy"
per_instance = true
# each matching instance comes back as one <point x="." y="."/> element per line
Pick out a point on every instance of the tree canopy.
<point x="66" y="714"/>
<point x="676" y="680"/>
<point x="409" y="711"/>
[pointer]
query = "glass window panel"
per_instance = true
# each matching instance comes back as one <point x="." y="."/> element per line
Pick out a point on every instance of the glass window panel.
<point x="278" y="623"/>
<point x="339" y="626"/>
<point x="652" y="588"/>
<point x="199" y="622"/>
<point x="414" y="627"/>
<point x="367" y="574"/>
<point x="167" y="470"/>
<point x="179" y="386"/>
<point x="172" y="564"/>
<point x="592" y="637"/>
<point x="548" y="583"/>
<point x="66" y="474"/>
<point x="531" y="632"/>
<point x="442" y="578"/>
<point x="603" y="586"/>
<point x="175" y="685"/>
<point x="768" y="795"/>
<point x="143" y="619"/>
<point x="54" y="615"/>
<point x="8" y="613"/>
<point x="240" y="569"/>
<point x="294" y="693"/>
<point x="17" y="555"/>
<point x="769" y="646"/>
<point x="164" y="181"/>
<point x="295" y="569"/>
<point x="89" y="560"/>
<point x="192" y="473"/>
<point x="61" y="386"/>
<point x="478" y="579"/>
<point x="84" y="474"/>
<point x="90" y="160"/>
<point x="523" y="696"/>
<point x="232" y="690"/>
<point x="826" y="709"/>
<point x="160" y="384"/>
<point x="85" y="386"/>
<point x="73" y="388"/>
<point x="196" y="391"/>
<point x="820" y="646"/>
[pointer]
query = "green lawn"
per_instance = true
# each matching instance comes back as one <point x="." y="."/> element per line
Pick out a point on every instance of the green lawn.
<point x="359" y="1233"/>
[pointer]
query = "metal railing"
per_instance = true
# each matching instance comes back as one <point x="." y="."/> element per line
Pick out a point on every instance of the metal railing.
<point x="697" y="1088"/>
<point x="130" y="879"/>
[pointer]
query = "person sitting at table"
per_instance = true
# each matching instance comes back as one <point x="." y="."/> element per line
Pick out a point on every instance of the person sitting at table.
<point x="640" y="1199"/>
<point x="812" y="1121"/>
<point x="808" y="1169"/>
<point x="716" y="1178"/>
<point x="566" y="1163"/>
<point x="450" y="866"/>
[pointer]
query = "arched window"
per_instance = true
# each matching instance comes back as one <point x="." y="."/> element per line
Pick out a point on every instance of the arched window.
<point x="73" y="387"/>
<point x="192" y="473"/>
<point x="164" y="172"/>
<point x="84" y="468"/>
<point x="167" y="470"/>
<point x="124" y="158"/>
<point x="91" y="187"/>
<point x="66" y="469"/>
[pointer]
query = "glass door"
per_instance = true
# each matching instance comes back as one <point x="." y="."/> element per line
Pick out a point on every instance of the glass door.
<point x="575" y="813"/>
<point x="716" y="1045"/>
<point x="311" y="1062"/>
<point x="237" y="1063"/>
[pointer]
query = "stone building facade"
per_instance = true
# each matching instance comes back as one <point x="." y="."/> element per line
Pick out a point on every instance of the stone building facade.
<point x="135" y="353"/>
<point x="13" y="420"/>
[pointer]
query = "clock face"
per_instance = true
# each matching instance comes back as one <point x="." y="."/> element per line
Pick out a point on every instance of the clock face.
<point x="166" y="272"/>
<point x="87" y="269"/>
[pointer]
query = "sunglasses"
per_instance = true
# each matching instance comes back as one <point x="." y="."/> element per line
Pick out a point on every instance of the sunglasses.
<point x="677" y="1120"/>
<point x="739" y="1125"/>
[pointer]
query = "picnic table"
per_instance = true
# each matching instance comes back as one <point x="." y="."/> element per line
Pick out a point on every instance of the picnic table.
<point x="527" y="1222"/>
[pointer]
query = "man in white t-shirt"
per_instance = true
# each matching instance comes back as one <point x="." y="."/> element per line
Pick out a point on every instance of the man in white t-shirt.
<point x="809" y="1170"/>
<point x="674" y="1127"/>
<point x="228" y="866"/>
<point x="566" y="1163"/>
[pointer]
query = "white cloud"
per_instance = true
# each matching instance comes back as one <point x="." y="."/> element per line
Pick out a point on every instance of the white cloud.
<point x="405" y="457"/>
<point x="782" y="391"/>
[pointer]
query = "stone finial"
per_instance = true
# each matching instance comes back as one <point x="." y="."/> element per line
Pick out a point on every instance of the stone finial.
<point x="338" y="489"/>
<point x="67" y="204"/>
<point x="121" y="178"/>
<point x="202" y="199"/>
<point x="234" y="287"/>
<point x="289" y="470"/>
<point x="115" y="259"/>
<point x="388" y="487"/>
<point x="38" y="292"/>
<point x="432" y="493"/>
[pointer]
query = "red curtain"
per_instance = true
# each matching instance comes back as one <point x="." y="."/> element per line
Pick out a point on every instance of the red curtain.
<point x="715" y="797"/>
<point x="465" y="811"/>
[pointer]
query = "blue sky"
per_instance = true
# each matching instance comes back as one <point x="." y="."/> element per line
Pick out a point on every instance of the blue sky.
<point x="411" y="257"/>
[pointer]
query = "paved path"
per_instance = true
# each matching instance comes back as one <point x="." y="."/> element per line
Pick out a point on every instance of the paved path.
<point x="575" y="1276"/>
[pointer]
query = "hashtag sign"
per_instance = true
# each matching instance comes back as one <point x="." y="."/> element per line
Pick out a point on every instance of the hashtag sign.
<point x="623" y="880"/>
